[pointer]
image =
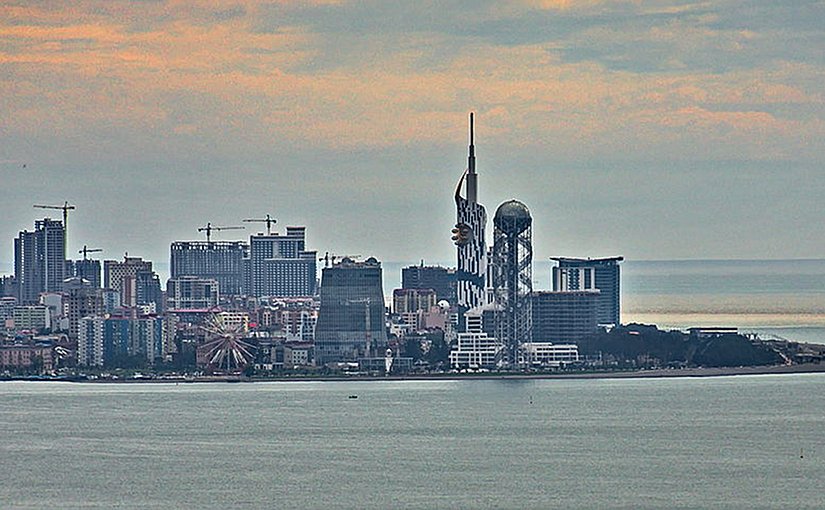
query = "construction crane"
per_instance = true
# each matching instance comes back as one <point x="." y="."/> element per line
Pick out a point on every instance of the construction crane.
<point x="65" y="208"/>
<point x="209" y="228"/>
<point x="86" y="251"/>
<point x="330" y="258"/>
<point x="80" y="269"/>
<point x="268" y="220"/>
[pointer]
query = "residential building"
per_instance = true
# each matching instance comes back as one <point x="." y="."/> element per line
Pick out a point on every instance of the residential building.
<point x="7" y="305"/>
<point x="222" y="261"/>
<point x="81" y="299"/>
<point x="106" y="341"/>
<point x="32" y="317"/>
<point x="439" y="279"/>
<point x="39" y="260"/>
<point x="114" y="271"/>
<point x="192" y="293"/>
<point x="8" y="286"/>
<point x="412" y="300"/>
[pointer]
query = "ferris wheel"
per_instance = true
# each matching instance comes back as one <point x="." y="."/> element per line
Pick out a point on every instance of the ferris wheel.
<point x="224" y="347"/>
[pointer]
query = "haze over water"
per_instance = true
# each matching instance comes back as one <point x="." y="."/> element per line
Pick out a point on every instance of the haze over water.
<point x="725" y="442"/>
<point x="784" y="298"/>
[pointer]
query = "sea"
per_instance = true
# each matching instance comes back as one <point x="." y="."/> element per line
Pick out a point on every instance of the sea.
<point x="778" y="299"/>
<point x="738" y="442"/>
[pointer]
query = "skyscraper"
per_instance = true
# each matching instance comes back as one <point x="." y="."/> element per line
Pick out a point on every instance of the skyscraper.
<point x="471" y="221"/>
<point x="440" y="279"/>
<point x="222" y="261"/>
<point x="280" y="266"/>
<point x="592" y="274"/>
<point x="513" y="276"/>
<point x="351" y="320"/>
<point x="39" y="263"/>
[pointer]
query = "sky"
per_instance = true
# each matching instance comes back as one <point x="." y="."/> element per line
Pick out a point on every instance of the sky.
<point x="649" y="129"/>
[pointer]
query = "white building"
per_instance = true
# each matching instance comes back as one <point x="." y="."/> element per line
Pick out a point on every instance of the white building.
<point x="233" y="320"/>
<point x="476" y="350"/>
<point x="547" y="354"/>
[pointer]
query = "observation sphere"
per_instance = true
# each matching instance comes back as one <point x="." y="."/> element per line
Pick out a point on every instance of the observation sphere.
<point x="512" y="217"/>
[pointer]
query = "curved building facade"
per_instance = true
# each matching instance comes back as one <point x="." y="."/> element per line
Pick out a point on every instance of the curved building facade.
<point x="471" y="221"/>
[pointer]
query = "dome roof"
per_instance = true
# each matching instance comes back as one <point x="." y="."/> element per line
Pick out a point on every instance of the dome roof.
<point x="512" y="217"/>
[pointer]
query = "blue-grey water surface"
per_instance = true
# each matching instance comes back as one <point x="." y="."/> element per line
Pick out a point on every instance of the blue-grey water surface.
<point x="727" y="442"/>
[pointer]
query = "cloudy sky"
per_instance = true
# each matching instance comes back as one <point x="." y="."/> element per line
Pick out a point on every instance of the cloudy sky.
<point x="651" y="129"/>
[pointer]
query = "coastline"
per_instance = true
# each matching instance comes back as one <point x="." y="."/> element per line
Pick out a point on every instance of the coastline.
<point x="700" y="372"/>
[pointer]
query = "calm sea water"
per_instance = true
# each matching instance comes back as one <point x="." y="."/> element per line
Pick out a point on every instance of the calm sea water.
<point x="727" y="442"/>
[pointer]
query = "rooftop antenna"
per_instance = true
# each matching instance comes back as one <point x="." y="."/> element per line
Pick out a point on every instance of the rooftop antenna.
<point x="472" y="183"/>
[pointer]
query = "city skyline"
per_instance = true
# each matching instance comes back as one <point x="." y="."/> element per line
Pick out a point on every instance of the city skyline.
<point x="671" y="130"/>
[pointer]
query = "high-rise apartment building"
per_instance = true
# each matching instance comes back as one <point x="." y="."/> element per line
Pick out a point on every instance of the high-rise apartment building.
<point x="8" y="286"/>
<point x="351" y="320"/>
<point x="564" y="317"/>
<point x="440" y="279"/>
<point x="88" y="269"/>
<point x="593" y="274"/>
<point x="280" y="266"/>
<point x="136" y="282"/>
<point x="80" y="300"/>
<point x="222" y="261"/>
<point x="39" y="263"/>
<point x="412" y="300"/>
<point x="192" y="293"/>
<point x="471" y="222"/>
<point x="114" y="271"/>
<point x="109" y="341"/>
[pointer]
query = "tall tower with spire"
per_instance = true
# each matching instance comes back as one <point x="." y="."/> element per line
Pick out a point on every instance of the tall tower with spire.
<point x="471" y="222"/>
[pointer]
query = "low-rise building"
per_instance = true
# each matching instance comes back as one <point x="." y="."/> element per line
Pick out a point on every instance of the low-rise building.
<point x="546" y="354"/>
<point x="32" y="317"/>
<point x="476" y="350"/>
<point x="26" y="356"/>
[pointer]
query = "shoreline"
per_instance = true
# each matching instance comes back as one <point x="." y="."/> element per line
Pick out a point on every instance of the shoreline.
<point x="702" y="372"/>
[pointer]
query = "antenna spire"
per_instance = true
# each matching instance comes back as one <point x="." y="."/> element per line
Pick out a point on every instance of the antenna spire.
<point x="472" y="185"/>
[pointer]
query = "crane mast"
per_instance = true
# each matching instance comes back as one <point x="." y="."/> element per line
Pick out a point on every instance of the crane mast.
<point x="66" y="207"/>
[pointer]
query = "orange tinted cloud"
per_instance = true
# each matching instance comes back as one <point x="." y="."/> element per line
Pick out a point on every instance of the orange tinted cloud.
<point x="136" y="63"/>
